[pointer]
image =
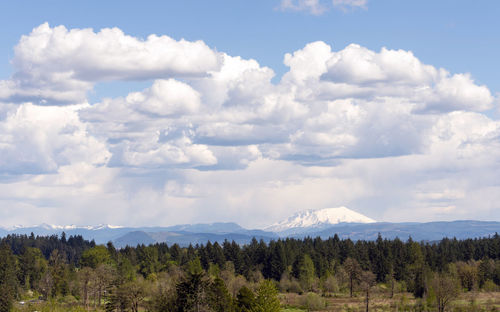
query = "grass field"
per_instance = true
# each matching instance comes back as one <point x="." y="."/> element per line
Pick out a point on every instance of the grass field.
<point x="472" y="301"/>
<point x="380" y="302"/>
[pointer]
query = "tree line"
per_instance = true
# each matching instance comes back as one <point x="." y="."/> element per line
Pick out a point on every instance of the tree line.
<point x="230" y="277"/>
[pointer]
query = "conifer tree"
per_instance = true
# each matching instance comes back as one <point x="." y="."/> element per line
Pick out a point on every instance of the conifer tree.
<point x="191" y="290"/>
<point x="245" y="300"/>
<point x="219" y="299"/>
<point x="8" y="281"/>
<point x="267" y="298"/>
<point x="306" y="273"/>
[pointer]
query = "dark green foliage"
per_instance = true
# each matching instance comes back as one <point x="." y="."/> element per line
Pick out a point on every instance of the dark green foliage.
<point x="245" y="300"/>
<point x="8" y="281"/>
<point x="32" y="267"/>
<point x="306" y="273"/>
<point x="276" y="262"/>
<point x="191" y="292"/>
<point x="416" y="270"/>
<point x="71" y="248"/>
<point x="218" y="297"/>
<point x="53" y="267"/>
<point x="148" y="260"/>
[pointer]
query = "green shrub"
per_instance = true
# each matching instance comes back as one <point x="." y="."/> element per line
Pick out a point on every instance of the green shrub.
<point x="313" y="302"/>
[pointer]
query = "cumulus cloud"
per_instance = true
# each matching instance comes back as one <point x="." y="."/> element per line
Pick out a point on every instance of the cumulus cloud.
<point x="378" y="131"/>
<point x="166" y="97"/>
<point x="358" y="72"/>
<point x="36" y="139"/>
<point x="57" y="65"/>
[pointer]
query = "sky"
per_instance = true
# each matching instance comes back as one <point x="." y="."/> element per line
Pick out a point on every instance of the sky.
<point x="167" y="112"/>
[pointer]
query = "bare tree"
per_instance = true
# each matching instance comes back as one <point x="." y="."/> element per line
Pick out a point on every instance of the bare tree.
<point x="45" y="285"/>
<point x="103" y="276"/>
<point x="330" y="284"/>
<point x="468" y="274"/>
<point x="238" y="282"/>
<point x="367" y="282"/>
<point x="86" y="276"/>
<point x="353" y="270"/>
<point x="445" y="289"/>
<point x="133" y="293"/>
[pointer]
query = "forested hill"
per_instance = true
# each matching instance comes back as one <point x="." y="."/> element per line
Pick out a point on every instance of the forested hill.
<point x="271" y="259"/>
<point x="51" y="265"/>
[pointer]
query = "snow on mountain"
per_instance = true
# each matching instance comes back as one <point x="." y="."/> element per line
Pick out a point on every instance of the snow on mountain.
<point x="320" y="218"/>
<point x="52" y="227"/>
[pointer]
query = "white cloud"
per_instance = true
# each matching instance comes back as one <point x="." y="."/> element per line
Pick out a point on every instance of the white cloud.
<point x="358" y="72"/>
<point x="57" y="65"/>
<point x="153" y="154"/>
<point x="311" y="6"/>
<point x="377" y="131"/>
<point x="166" y="97"/>
<point x="358" y="65"/>
<point x="318" y="7"/>
<point x="36" y="139"/>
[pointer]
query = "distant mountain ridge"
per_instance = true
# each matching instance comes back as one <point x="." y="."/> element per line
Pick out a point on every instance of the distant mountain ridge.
<point x="183" y="234"/>
<point x="427" y="231"/>
<point x="49" y="227"/>
<point x="324" y="223"/>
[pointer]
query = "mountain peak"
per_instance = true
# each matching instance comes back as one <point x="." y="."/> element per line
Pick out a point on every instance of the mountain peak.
<point x="320" y="218"/>
<point x="54" y="227"/>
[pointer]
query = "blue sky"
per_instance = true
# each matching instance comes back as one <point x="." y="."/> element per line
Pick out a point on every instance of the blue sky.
<point x="401" y="126"/>
<point x="460" y="36"/>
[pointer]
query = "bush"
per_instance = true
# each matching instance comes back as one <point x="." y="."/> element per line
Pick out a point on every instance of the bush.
<point x="490" y="286"/>
<point x="313" y="302"/>
<point x="331" y="285"/>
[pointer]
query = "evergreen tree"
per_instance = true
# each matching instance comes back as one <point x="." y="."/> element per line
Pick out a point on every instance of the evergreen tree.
<point x="306" y="273"/>
<point x="267" y="298"/>
<point x="32" y="267"/>
<point x="276" y="264"/>
<point x="245" y="300"/>
<point x="219" y="299"/>
<point x="417" y="270"/>
<point x="8" y="281"/>
<point x="191" y="291"/>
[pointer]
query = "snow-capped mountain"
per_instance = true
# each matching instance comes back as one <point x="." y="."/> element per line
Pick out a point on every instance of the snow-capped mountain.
<point x="319" y="219"/>
<point x="180" y="234"/>
<point x="324" y="223"/>
<point x="52" y="227"/>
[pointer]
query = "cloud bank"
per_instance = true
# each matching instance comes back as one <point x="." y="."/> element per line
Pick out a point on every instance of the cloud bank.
<point x="213" y="139"/>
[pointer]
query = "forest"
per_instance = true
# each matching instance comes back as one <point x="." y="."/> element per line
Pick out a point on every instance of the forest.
<point x="59" y="273"/>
